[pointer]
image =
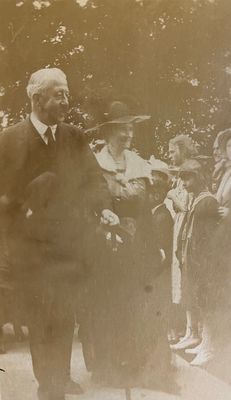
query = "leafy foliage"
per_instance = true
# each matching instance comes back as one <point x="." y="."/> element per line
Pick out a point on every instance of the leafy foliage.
<point x="169" y="59"/>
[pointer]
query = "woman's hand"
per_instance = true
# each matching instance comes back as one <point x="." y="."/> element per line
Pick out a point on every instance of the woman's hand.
<point x="171" y="195"/>
<point x="177" y="204"/>
<point x="223" y="212"/>
<point x="121" y="179"/>
<point x="108" y="217"/>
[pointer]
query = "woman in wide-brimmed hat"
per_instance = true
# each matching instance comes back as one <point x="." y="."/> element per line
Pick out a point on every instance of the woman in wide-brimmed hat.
<point x="122" y="332"/>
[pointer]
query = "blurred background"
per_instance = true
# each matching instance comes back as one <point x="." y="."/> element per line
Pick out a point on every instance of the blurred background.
<point x="170" y="59"/>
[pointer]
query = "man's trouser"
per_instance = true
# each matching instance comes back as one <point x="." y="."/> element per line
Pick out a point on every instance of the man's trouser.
<point x="51" y="318"/>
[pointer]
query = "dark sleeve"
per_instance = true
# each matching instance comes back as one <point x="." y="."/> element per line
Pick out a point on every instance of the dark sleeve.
<point x="206" y="216"/>
<point x="164" y="230"/>
<point x="12" y="154"/>
<point x="94" y="190"/>
<point x="205" y="225"/>
<point x="6" y="170"/>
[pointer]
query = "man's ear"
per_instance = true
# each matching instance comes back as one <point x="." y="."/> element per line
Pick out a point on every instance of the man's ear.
<point x="36" y="99"/>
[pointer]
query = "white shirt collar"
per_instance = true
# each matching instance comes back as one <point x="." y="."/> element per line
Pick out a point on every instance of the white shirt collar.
<point x="41" y="127"/>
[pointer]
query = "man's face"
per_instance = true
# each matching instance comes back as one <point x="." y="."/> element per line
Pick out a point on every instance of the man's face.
<point x="189" y="182"/>
<point x="174" y="154"/>
<point x="216" y="152"/>
<point x="53" y="103"/>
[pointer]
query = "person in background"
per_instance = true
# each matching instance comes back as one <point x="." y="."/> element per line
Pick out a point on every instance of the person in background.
<point x="6" y="288"/>
<point x="217" y="155"/>
<point x="219" y="161"/>
<point x="223" y="193"/>
<point x="51" y="187"/>
<point x="181" y="148"/>
<point x="220" y="300"/>
<point x="194" y="252"/>
<point x="162" y="220"/>
<point x="159" y="239"/>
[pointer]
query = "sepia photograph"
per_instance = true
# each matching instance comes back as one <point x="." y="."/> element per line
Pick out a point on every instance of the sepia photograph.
<point x="115" y="199"/>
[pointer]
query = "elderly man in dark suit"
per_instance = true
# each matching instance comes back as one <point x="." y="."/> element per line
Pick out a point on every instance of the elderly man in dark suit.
<point x="51" y="193"/>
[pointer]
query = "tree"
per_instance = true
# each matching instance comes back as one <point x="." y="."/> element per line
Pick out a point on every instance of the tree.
<point x="169" y="59"/>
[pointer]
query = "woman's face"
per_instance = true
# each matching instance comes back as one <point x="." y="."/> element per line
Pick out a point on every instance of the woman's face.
<point x="122" y="135"/>
<point x="228" y="149"/>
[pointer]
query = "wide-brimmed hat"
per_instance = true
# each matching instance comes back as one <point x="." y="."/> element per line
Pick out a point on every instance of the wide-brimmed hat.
<point x="191" y="167"/>
<point x="119" y="113"/>
<point x="158" y="166"/>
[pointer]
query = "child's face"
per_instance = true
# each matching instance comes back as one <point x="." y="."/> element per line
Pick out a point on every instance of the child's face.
<point x="190" y="182"/>
<point x="153" y="198"/>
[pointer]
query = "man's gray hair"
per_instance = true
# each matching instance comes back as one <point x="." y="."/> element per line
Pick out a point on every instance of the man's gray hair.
<point x="40" y="79"/>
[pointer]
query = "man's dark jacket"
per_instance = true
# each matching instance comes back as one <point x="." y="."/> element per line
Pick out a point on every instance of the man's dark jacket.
<point x="54" y="197"/>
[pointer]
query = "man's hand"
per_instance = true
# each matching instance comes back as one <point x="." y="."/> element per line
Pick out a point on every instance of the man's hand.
<point x="223" y="212"/>
<point x="171" y="195"/>
<point x="109" y="218"/>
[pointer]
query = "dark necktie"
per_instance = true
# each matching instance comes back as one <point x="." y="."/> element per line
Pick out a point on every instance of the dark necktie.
<point x="50" y="139"/>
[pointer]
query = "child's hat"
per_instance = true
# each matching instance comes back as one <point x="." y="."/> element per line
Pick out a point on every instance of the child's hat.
<point x="158" y="166"/>
<point x="191" y="167"/>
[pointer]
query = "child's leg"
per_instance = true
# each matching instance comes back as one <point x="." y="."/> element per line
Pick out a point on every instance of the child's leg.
<point x="205" y="352"/>
<point x="192" y="323"/>
<point x="191" y="337"/>
<point x="177" y="322"/>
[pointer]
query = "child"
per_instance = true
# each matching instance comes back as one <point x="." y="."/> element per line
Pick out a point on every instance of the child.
<point x="162" y="223"/>
<point x="158" y="263"/>
<point x="200" y="223"/>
